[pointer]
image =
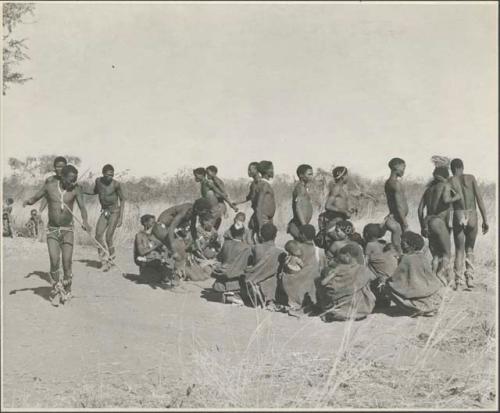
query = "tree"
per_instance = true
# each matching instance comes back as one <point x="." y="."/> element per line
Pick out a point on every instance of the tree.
<point x="13" y="48"/>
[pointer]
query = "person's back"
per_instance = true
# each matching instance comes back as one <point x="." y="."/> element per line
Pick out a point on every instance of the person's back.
<point x="169" y="214"/>
<point x="434" y="199"/>
<point x="266" y="191"/>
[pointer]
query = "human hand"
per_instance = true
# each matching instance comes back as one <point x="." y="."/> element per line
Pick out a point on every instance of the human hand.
<point x="485" y="227"/>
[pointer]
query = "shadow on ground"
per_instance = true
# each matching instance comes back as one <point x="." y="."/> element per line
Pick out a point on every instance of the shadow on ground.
<point x="41" y="274"/>
<point x="43" y="292"/>
<point x="153" y="281"/>
<point x="91" y="263"/>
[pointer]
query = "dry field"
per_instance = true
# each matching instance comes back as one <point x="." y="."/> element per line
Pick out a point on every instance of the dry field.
<point x="122" y="343"/>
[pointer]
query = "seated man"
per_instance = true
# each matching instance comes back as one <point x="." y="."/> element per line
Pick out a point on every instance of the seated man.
<point x="345" y="292"/>
<point x="234" y="259"/>
<point x="259" y="282"/>
<point x="297" y="289"/>
<point x="149" y="252"/>
<point x="413" y="286"/>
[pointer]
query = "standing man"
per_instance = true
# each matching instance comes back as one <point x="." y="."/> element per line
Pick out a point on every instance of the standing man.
<point x="112" y="203"/>
<point x="59" y="163"/>
<point x="61" y="195"/>
<point x="437" y="200"/>
<point x="465" y="221"/>
<point x="301" y="202"/>
<point x="396" y="221"/>
<point x="253" y="173"/>
<point x="266" y="204"/>
<point x="337" y="203"/>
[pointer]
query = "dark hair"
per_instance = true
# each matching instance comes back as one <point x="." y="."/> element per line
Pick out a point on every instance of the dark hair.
<point x="358" y="239"/>
<point x="264" y="166"/>
<point x="33" y="210"/>
<point x="302" y="169"/>
<point x="10" y="200"/>
<point x="235" y="232"/>
<point x="339" y="172"/>
<point x="268" y="232"/>
<point x="345" y="226"/>
<point x="107" y="167"/>
<point x="456" y="164"/>
<point x="388" y="247"/>
<point x="351" y="249"/>
<point x="441" y="171"/>
<point x="307" y="231"/>
<point x="414" y="240"/>
<point x="69" y="169"/>
<point x="212" y="168"/>
<point x="200" y="171"/>
<point x="395" y="162"/>
<point x="371" y="231"/>
<point x="145" y="218"/>
<point x="293" y="247"/>
<point x="254" y="163"/>
<point x="240" y="214"/>
<point x="60" y="159"/>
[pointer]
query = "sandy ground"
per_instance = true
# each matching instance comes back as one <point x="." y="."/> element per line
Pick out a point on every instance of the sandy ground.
<point x="123" y="343"/>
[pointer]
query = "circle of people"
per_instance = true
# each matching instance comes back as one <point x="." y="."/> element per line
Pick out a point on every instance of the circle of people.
<point x="355" y="274"/>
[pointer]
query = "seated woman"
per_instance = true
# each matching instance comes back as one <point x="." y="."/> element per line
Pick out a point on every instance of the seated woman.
<point x="345" y="291"/>
<point x="381" y="259"/>
<point x="339" y="237"/>
<point x="149" y="252"/>
<point x="297" y="282"/>
<point x="414" y="287"/>
<point x="233" y="260"/>
<point x="259" y="282"/>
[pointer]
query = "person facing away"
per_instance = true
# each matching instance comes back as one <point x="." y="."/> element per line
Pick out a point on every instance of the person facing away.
<point x="414" y="287"/>
<point x="465" y="221"/>
<point x="112" y="202"/>
<point x="61" y="196"/>
<point x="253" y="198"/>
<point x="266" y="204"/>
<point x="345" y="291"/>
<point x="301" y="201"/>
<point x="396" y="222"/>
<point x="436" y="201"/>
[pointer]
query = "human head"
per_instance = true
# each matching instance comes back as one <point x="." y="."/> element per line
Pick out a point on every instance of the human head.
<point x="340" y="174"/>
<point x="69" y="175"/>
<point x="457" y="166"/>
<point x="253" y="169"/>
<point x="307" y="232"/>
<point x="411" y="242"/>
<point x="346" y="253"/>
<point x="148" y="221"/>
<point x="33" y="213"/>
<point x="305" y="173"/>
<point x="59" y="163"/>
<point x="211" y="170"/>
<point x="441" y="173"/>
<point x="239" y="220"/>
<point x="389" y="247"/>
<point x="235" y="232"/>
<point x="268" y="232"/>
<point x="266" y="169"/>
<point x="199" y="174"/>
<point x="293" y="248"/>
<point x="372" y="232"/>
<point x="108" y="172"/>
<point x="5" y="215"/>
<point x="397" y="165"/>
<point x="10" y="201"/>
<point x="343" y="229"/>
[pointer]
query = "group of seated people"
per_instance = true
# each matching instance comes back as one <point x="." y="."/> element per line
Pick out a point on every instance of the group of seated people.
<point x="354" y="274"/>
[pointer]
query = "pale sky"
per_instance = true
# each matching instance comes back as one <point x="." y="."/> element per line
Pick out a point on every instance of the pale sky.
<point x="225" y="84"/>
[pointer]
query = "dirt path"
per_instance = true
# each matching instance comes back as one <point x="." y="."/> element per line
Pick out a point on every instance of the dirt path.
<point x="120" y="343"/>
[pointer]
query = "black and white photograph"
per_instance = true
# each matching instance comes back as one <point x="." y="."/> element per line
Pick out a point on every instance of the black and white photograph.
<point x="249" y="206"/>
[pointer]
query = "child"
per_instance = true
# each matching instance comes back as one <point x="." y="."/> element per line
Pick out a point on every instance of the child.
<point x="414" y="287"/>
<point x="238" y="224"/>
<point x="346" y="290"/>
<point x="6" y="227"/>
<point x="34" y="225"/>
<point x="293" y="261"/>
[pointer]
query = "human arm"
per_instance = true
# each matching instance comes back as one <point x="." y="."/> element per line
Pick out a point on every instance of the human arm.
<point x="331" y="202"/>
<point x="300" y="195"/>
<point x="328" y="278"/>
<point x="259" y="210"/>
<point x="35" y="198"/>
<point x="423" y="227"/>
<point x="399" y="198"/>
<point x="450" y="195"/>
<point x="222" y="194"/>
<point x="43" y="205"/>
<point x="480" y="204"/>
<point x="121" y="197"/>
<point x="83" y="209"/>
<point x="145" y="245"/>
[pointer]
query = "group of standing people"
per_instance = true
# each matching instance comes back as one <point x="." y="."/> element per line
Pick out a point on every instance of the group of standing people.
<point x="352" y="275"/>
